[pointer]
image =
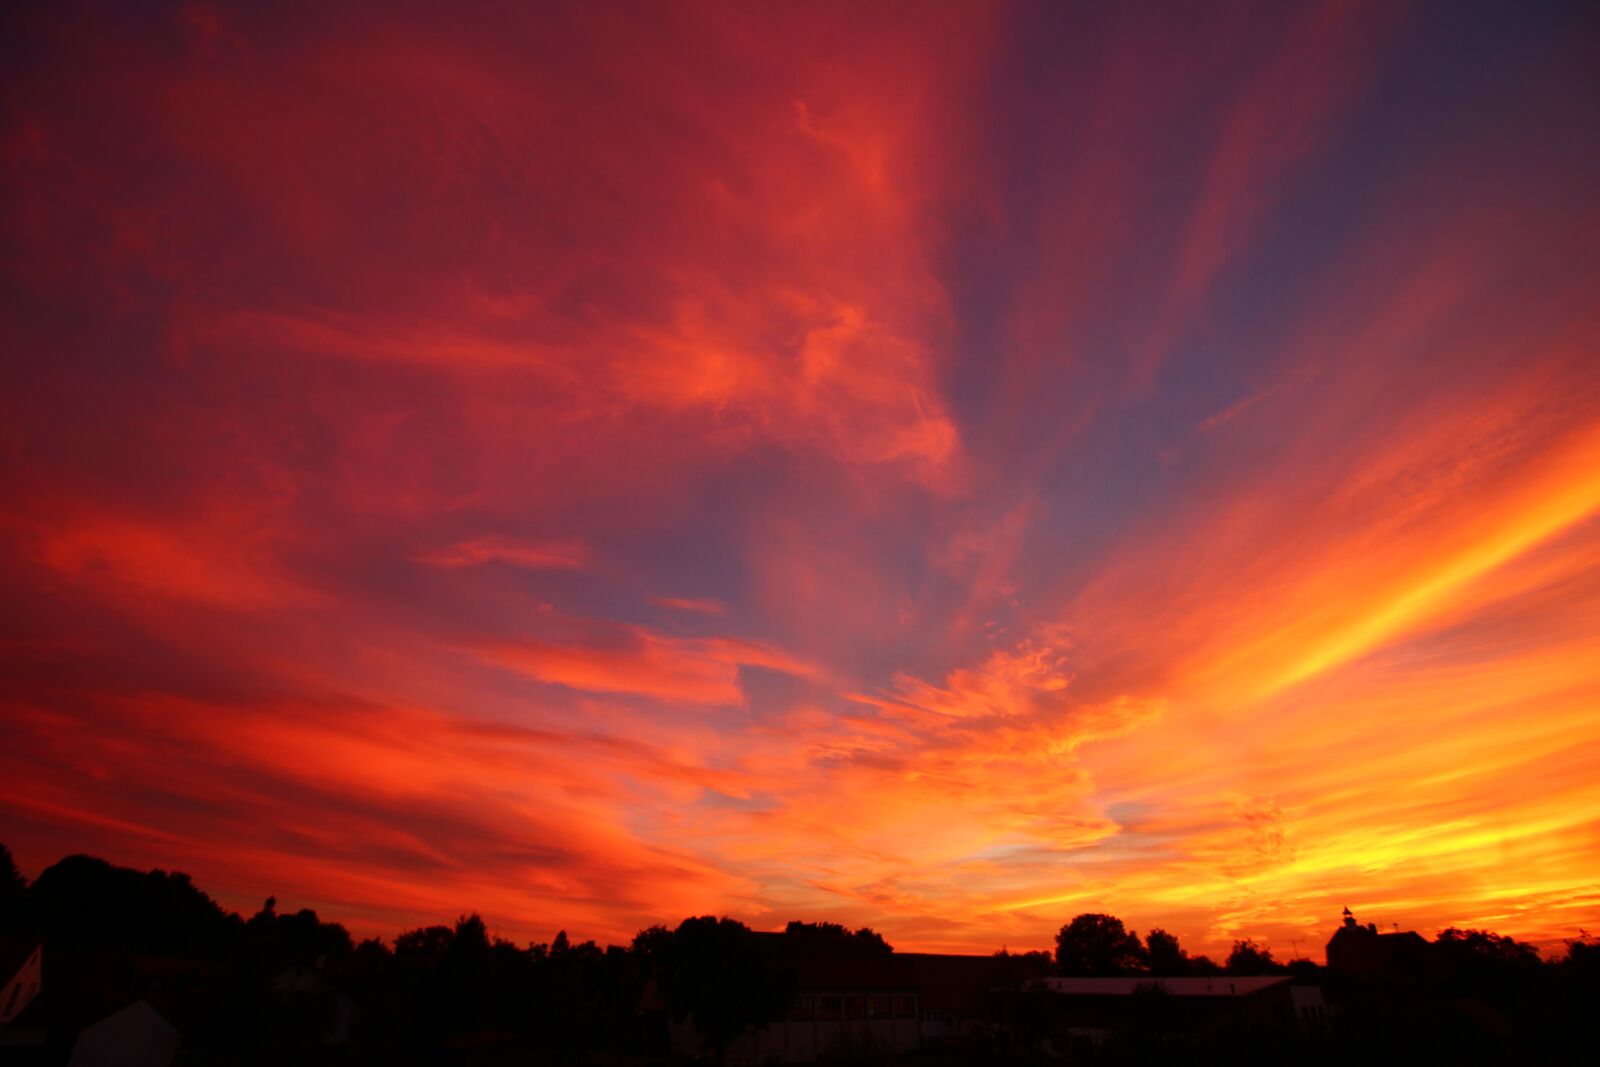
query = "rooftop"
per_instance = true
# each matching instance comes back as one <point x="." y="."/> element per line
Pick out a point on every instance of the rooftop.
<point x="1215" y="986"/>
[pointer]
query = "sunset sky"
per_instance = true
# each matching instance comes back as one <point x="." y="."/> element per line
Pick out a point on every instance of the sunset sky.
<point x="945" y="467"/>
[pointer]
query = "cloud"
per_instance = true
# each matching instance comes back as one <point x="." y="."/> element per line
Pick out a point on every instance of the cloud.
<point x="205" y="561"/>
<point x="697" y="606"/>
<point x="634" y="660"/>
<point x="433" y="811"/>
<point x="539" y="555"/>
<point x="1221" y="418"/>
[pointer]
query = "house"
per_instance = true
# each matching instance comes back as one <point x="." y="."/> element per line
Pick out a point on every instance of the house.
<point x="843" y="1004"/>
<point x="867" y="1004"/>
<point x="328" y="1011"/>
<point x="1311" y="1008"/>
<point x="135" y="1036"/>
<point x="1090" y="1011"/>
<point x="1362" y="952"/>
<point x="21" y="968"/>
<point x="956" y="995"/>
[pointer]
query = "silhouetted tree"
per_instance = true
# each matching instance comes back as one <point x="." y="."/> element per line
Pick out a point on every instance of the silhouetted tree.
<point x="1483" y="964"/>
<point x="1096" y="944"/>
<point x="13" y="890"/>
<point x="86" y="903"/>
<point x="1251" y="958"/>
<point x="299" y="936"/>
<point x="587" y="997"/>
<point x="1569" y="995"/>
<point x="1305" y="971"/>
<point x="371" y="957"/>
<point x="720" y="974"/>
<point x="833" y="937"/>
<point x="1583" y="956"/>
<point x="1163" y="954"/>
<point x="650" y="943"/>
<point x="12" y="883"/>
<point x="470" y="936"/>
<point x="422" y="947"/>
<point x="461" y="983"/>
<point x="1486" y="946"/>
<point x="1015" y="969"/>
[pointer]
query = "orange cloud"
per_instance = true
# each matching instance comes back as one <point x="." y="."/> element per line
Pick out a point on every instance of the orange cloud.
<point x="702" y="670"/>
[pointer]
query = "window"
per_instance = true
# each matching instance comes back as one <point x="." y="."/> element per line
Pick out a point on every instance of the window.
<point x="905" y="1007"/>
<point x="855" y="1007"/>
<point x="828" y="1009"/>
<point x="880" y="1008"/>
<point x="801" y="1010"/>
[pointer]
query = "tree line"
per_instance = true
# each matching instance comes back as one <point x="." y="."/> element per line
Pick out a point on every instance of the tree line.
<point x="436" y="991"/>
<point x="431" y="990"/>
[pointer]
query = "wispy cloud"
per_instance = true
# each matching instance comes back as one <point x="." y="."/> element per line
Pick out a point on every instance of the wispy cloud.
<point x="556" y="555"/>
<point x="693" y="605"/>
<point x="1233" y="411"/>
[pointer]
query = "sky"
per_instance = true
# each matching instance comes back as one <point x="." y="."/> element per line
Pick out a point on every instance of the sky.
<point x="943" y="467"/>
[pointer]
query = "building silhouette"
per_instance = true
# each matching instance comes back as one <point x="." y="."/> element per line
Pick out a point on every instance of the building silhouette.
<point x="1361" y="951"/>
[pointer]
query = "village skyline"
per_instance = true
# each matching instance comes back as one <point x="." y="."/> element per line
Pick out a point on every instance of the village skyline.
<point x="1258" y="950"/>
<point x="98" y="961"/>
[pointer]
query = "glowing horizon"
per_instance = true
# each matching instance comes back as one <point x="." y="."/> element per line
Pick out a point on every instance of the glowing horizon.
<point x="939" y="467"/>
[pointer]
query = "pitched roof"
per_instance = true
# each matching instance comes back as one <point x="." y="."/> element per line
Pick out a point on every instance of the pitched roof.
<point x="957" y="984"/>
<point x="14" y="952"/>
<point x="1215" y="986"/>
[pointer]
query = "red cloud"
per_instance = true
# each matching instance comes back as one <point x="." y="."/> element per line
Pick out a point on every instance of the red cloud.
<point x="558" y="555"/>
<point x="701" y="670"/>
